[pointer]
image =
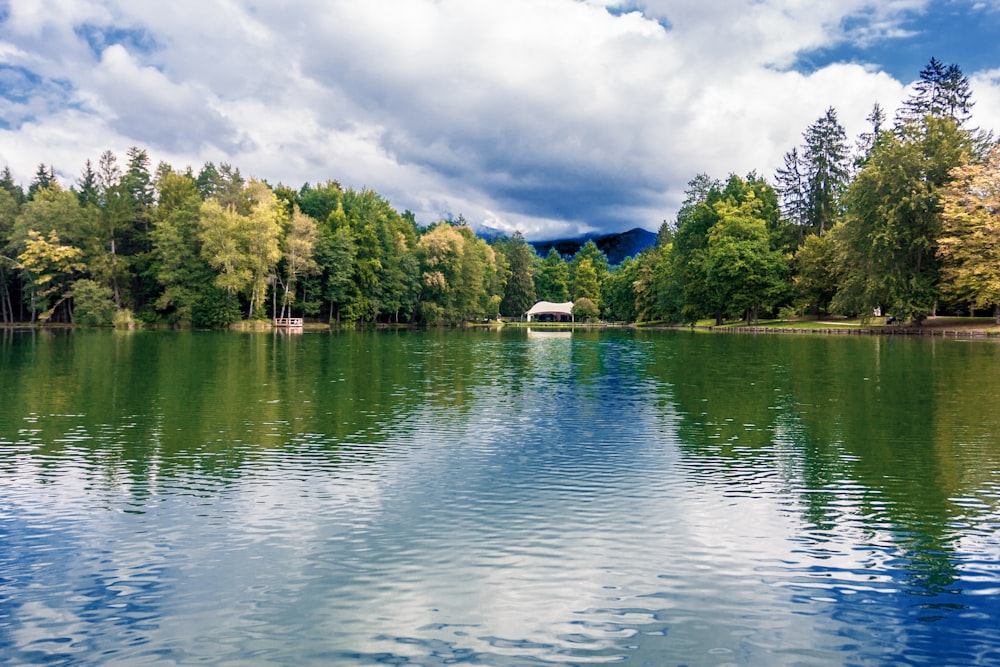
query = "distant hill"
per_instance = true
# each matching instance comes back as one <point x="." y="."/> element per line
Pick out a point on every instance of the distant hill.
<point x="617" y="246"/>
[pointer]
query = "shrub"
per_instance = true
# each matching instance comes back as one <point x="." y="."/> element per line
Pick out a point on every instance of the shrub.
<point x="93" y="304"/>
<point x="585" y="310"/>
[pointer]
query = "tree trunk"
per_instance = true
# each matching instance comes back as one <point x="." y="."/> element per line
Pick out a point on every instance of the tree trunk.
<point x="6" y="307"/>
<point x="996" y="313"/>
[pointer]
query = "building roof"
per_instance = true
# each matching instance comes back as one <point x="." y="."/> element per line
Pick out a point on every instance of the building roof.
<point x="565" y="308"/>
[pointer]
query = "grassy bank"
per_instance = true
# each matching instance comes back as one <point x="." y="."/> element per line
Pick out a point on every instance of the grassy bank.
<point x="932" y="326"/>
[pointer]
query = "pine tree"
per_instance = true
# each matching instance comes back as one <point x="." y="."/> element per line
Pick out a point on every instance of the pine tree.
<point x="941" y="91"/>
<point x="867" y="140"/>
<point x="826" y="159"/>
<point x="791" y="187"/>
<point x="519" y="294"/>
<point x="8" y="184"/>
<point x="44" y="177"/>
<point x="86" y="190"/>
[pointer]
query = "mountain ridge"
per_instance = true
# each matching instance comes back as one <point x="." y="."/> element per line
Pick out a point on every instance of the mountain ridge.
<point x="618" y="246"/>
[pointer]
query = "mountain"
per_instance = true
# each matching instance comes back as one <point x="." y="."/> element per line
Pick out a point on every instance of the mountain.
<point x="617" y="246"/>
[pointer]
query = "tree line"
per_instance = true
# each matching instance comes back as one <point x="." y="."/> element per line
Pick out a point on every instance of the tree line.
<point x="905" y="221"/>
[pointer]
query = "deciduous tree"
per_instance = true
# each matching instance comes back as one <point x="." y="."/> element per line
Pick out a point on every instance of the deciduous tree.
<point x="887" y="246"/>
<point x="969" y="247"/>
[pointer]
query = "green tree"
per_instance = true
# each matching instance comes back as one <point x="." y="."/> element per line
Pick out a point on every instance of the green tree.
<point x="52" y="209"/>
<point x="48" y="267"/>
<point x="619" y="291"/>
<point x="108" y="244"/>
<point x="688" y="255"/>
<point x="585" y="310"/>
<point x="178" y="267"/>
<point x="969" y="247"/>
<point x="743" y="273"/>
<point x="219" y="231"/>
<point x="321" y="200"/>
<point x="942" y="91"/>
<point x="886" y="247"/>
<point x="93" y="304"/>
<point x="260" y="232"/>
<point x="792" y="187"/>
<point x="13" y="189"/>
<point x="86" y="190"/>
<point x="867" y="140"/>
<point x="658" y="293"/>
<point x="457" y="271"/>
<point x="335" y="254"/>
<point x="519" y="294"/>
<point x="815" y="274"/>
<point x="552" y="278"/>
<point x="298" y="246"/>
<point x="45" y="177"/>
<point x="812" y="181"/>
<point x="585" y="282"/>
<point x="9" y="210"/>
<point x="827" y="161"/>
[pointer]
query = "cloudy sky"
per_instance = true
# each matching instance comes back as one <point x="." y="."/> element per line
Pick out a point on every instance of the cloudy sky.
<point x="554" y="117"/>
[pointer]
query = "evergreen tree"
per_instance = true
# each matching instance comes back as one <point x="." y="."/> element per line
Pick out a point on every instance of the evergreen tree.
<point x="791" y="187"/>
<point x="208" y="180"/>
<point x="827" y="171"/>
<point x="941" y="91"/>
<point x="86" y="190"/>
<point x="867" y="140"/>
<point x="519" y="294"/>
<point x="44" y="177"/>
<point x="8" y="184"/>
<point x="138" y="187"/>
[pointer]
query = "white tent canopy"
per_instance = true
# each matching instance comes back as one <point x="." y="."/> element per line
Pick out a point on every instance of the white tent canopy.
<point x="558" y="310"/>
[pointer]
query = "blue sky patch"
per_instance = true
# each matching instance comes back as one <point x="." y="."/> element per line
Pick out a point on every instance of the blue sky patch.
<point x="18" y="84"/>
<point x="99" y="38"/>
<point x="957" y="32"/>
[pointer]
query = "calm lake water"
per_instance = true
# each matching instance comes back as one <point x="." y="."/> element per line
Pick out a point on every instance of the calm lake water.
<point x="498" y="498"/>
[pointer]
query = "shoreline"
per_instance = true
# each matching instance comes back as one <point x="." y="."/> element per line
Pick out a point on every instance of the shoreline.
<point x="944" y="327"/>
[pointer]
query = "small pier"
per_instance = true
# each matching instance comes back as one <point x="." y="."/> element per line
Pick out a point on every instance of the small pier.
<point x="288" y="323"/>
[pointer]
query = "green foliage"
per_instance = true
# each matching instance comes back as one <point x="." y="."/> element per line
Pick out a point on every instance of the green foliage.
<point x="743" y="273"/>
<point x="585" y="310"/>
<point x="215" y="308"/>
<point x="457" y="274"/>
<point x="519" y="294"/>
<point x="552" y="278"/>
<point x="619" y="292"/>
<point x="179" y="267"/>
<point x="93" y="304"/>
<point x="196" y="249"/>
<point x="725" y="257"/>
<point x="48" y="267"/>
<point x="815" y="274"/>
<point x="585" y="282"/>
<point x="887" y="246"/>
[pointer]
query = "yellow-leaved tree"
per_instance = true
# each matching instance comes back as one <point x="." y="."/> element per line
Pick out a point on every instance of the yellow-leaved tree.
<point x="969" y="247"/>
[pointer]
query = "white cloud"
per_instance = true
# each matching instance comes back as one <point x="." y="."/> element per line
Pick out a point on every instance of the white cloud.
<point x="550" y="116"/>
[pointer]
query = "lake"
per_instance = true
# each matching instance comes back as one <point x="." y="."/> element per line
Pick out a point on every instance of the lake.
<point x="498" y="498"/>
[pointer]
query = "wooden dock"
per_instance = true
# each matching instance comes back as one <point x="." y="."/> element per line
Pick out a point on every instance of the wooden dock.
<point x="288" y="323"/>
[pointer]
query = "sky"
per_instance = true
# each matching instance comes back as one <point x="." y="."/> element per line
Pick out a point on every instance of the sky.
<point x="552" y="117"/>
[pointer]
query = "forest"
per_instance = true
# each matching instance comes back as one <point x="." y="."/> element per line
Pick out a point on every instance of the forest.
<point x="904" y="220"/>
